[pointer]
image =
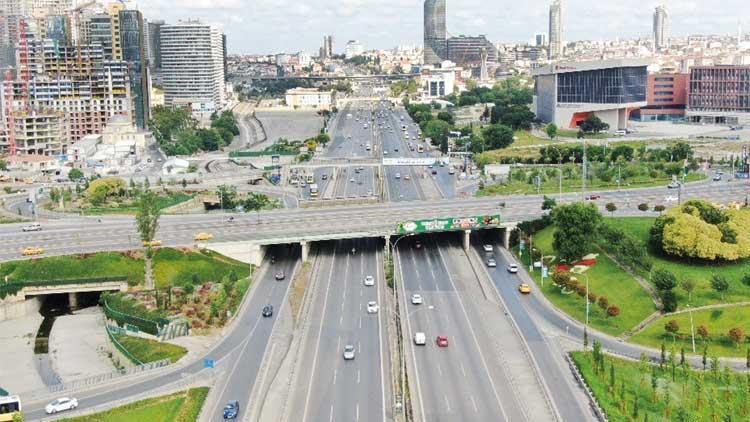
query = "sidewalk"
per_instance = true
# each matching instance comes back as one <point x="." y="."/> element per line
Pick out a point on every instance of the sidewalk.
<point x="18" y="371"/>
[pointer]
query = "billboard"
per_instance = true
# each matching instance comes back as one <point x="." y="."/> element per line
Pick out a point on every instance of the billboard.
<point x="448" y="224"/>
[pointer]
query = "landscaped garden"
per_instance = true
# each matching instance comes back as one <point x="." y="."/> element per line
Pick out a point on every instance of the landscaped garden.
<point x="184" y="406"/>
<point x="146" y="351"/>
<point x="669" y="391"/>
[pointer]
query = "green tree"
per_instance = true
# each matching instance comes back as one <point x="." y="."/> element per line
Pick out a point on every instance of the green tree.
<point x="437" y="131"/>
<point x="18" y="417"/>
<point x="574" y="228"/>
<point x="663" y="279"/>
<point x="551" y="130"/>
<point x="668" y="300"/>
<point x="746" y="279"/>
<point x="643" y="207"/>
<point x="720" y="284"/>
<point x="497" y="136"/>
<point x="593" y="124"/>
<point x="688" y="286"/>
<point x="447" y="117"/>
<point x="737" y="336"/>
<point x="227" y="196"/>
<point x="3" y="165"/>
<point x="611" y="208"/>
<point x="147" y="222"/>
<point x="548" y="203"/>
<point x="75" y="175"/>
<point x="672" y="327"/>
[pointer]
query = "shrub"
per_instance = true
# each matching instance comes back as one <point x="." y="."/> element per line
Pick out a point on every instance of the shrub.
<point x="643" y="207"/>
<point x="613" y="311"/>
<point x="663" y="279"/>
<point x="672" y="327"/>
<point x="702" y="332"/>
<point x="668" y="301"/>
<point x="603" y="303"/>
<point x="659" y="208"/>
<point x="581" y="290"/>
<point x="737" y="335"/>
<point x="592" y="297"/>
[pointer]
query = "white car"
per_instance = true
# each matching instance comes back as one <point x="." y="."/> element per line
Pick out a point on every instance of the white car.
<point x="416" y="299"/>
<point x="670" y="199"/>
<point x="348" y="352"/>
<point x="513" y="268"/>
<point x="33" y="227"/>
<point x="372" y="307"/>
<point x="61" y="404"/>
<point x="487" y="248"/>
<point x="398" y="175"/>
<point x="369" y="280"/>
<point x="420" y="339"/>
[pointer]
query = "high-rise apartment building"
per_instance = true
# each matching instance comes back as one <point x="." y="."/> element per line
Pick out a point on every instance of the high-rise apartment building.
<point x="193" y="66"/>
<point x="326" y="52"/>
<point x="661" y="28"/>
<point x="154" y="45"/>
<point x="132" y="41"/>
<point x="540" y="40"/>
<point x="556" y="45"/>
<point x="467" y="51"/>
<point x="435" y="32"/>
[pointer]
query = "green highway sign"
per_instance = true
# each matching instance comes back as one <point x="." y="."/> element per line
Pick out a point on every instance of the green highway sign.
<point x="448" y="224"/>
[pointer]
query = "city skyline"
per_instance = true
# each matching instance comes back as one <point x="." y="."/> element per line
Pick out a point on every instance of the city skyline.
<point x="266" y="27"/>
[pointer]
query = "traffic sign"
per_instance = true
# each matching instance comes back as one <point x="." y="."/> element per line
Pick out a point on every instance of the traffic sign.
<point x="448" y="224"/>
<point x="209" y="363"/>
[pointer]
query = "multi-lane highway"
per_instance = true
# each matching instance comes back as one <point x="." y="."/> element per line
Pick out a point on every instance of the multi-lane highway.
<point x="332" y="388"/>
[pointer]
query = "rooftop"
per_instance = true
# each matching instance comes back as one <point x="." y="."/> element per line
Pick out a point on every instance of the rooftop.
<point x="570" y="67"/>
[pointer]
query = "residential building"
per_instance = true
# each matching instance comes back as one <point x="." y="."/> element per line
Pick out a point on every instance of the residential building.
<point x="132" y="42"/>
<point x="154" y="45"/>
<point x="58" y="29"/>
<point x="540" y="40"/>
<point x="38" y="133"/>
<point x="661" y="28"/>
<point x="666" y="97"/>
<point x="435" y="32"/>
<point x="192" y="55"/>
<point x="467" y="51"/>
<point x="719" y="95"/>
<point x="556" y="44"/>
<point x="309" y="98"/>
<point x="326" y="52"/>
<point x="568" y="93"/>
<point x="353" y="48"/>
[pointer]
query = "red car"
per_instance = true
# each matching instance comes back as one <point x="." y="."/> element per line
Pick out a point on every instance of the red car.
<point x="593" y="197"/>
<point x="442" y="341"/>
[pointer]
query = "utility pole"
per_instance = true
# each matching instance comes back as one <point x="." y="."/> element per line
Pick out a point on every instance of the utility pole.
<point x="585" y="171"/>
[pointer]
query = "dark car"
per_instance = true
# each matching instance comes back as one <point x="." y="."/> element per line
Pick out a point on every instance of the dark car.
<point x="268" y="311"/>
<point x="232" y="409"/>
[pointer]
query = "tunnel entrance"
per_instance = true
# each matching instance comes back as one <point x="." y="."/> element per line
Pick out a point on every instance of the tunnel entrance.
<point x="56" y="305"/>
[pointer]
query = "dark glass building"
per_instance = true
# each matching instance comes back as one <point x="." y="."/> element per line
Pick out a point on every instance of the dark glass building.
<point x="134" y="53"/>
<point x="435" y="32"/>
<point x="603" y="86"/>
<point x="467" y="51"/>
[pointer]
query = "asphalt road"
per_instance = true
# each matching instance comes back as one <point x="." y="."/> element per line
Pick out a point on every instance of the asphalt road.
<point x="238" y="354"/>
<point x="331" y="388"/>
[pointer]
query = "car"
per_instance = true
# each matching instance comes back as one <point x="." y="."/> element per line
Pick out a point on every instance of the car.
<point x="407" y="177"/>
<point x="372" y="307"/>
<point x="418" y="244"/>
<point x="395" y="149"/>
<point x="420" y="339"/>
<point x="349" y="352"/>
<point x="232" y="410"/>
<point x="30" y="251"/>
<point x="398" y="175"/>
<point x="593" y="197"/>
<point x="203" y="236"/>
<point x="513" y="268"/>
<point x="61" y="404"/>
<point x="385" y="152"/>
<point x="369" y="280"/>
<point x="717" y="178"/>
<point x="324" y="177"/>
<point x="673" y="185"/>
<point x="670" y="198"/>
<point x="352" y="180"/>
<point x="434" y="172"/>
<point x="153" y="243"/>
<point x="442" y="341"/>
<point x="280" y="275"/>
<point x="487" y="248"/>
<point x="491" y="262"/>
<point x="416" y="299"/>
<point x="524" y="288"/>
<point x="33" y="227"/>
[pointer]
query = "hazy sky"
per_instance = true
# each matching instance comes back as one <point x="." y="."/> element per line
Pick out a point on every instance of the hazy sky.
<point x="267" y="26"/>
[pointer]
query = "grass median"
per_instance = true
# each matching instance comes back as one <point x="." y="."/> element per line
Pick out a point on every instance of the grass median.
<point x="184" y="406"/>
<point x="147" y="351"/>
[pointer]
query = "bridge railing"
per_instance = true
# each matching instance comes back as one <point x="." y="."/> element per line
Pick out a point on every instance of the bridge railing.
<point x="149" y="326"/>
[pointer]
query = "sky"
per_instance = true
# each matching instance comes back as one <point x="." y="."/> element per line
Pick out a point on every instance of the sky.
<point x="272" y="26"/>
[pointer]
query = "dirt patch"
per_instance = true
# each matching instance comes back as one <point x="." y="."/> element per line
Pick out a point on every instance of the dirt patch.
<point x="299" y="285"/>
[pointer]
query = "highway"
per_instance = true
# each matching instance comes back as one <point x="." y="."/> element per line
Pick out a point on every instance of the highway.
<point x="238" y="354"/>
<point x="331" y="388"/>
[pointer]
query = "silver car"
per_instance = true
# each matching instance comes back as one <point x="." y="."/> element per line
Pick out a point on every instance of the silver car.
<point x="348" y="352"/>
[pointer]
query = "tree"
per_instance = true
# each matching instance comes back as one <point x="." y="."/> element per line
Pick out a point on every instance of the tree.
<point x="613" y="311"/>
<point x="3" y="165"/>
<point x="688" y="286"/>
<point x="672" y="327"/>
<point x="147" y="221"/>
<point x="643" y="207"/>
<point x="720" y="284"/>
<point x="575" y="225"/>
<point x="603" y="303"/>
<point x="663" y="279"/>
<point x="101" y="190"/>
<point x="737" y="336"/>
<point x="593" y="124"/>
<point x="497" y="136"/>
<point x="447" y="117"/>
<point x="75" y="175"/>
<point x="746" y="279"/>
<point x="227" y="196"/>
<point x="611" y="207"/>
<point x="548" y="203"/>
<point x="437" y="131"/>
<point x="702" y="332"/>
<point x="551" y="130"/>
<point x="659" y="208"/>
<point x="18" y="417"/>
<point x="668" y="301"/>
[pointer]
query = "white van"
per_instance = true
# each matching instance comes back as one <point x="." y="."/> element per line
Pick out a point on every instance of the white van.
<point x="420" y="339"/>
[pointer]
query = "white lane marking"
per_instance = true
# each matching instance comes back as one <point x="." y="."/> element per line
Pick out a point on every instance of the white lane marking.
<point x="358" y="376"/>
<point x="357" y="412"/>
<point x="474" y="404"/>
<point x="341" y="320"/>
<point x="335" y="374"/>
<point x="331" y="417"/>
<point x="447" y="403"/>
<point x="440" y="369"/>
<point x="463" y="370"/>
<point x="360" y="322"/>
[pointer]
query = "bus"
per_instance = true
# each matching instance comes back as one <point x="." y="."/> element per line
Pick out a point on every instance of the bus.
<point x="9" y="405"/>
<point x="420" y="149"/>
<point x="314" y="190"/>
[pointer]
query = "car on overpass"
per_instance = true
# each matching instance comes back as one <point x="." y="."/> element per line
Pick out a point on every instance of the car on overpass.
<point x="31" y="251"/>
<point x="280" y="275"/>
<point x="524" y="288"/>
<point x="349" y="352"/>
<point x="232" y="410"/>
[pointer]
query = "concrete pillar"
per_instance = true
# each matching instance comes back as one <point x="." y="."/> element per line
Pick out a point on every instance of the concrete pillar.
<point x="305" y="250"/>
<point x="506" y="237"/>
<point x="387" y="243"/>
<point x="73" y="300"/>
<point x="467" y="240"/>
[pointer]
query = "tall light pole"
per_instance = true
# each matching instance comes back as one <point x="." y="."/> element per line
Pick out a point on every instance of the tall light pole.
<point x="587" y="299"/>
<point x="692" y="331"/>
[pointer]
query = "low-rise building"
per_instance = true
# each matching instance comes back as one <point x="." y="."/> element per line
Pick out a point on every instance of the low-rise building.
<point x="438" y="83"/>
<point x="568" y="93"/>
<point x="719" y="95"/>
<point x="309" y="98"/>
<point x="666" y="97"/>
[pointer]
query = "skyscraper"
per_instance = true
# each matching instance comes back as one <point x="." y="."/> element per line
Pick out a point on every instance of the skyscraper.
<point x="132" y="41"/>
<point x="326" y="52"/>
<point x="556" y="30"/>
<point x="192" y="65"/>
<point x="154" y="44"/>
<point x="435" y="33"/>
<point x="661" y="28"/>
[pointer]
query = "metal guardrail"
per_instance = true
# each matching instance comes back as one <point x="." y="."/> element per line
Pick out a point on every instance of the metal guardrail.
<point x="149" y="326"/>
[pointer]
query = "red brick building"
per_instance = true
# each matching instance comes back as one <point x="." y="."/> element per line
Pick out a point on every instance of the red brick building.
<point x="666" y="97"/>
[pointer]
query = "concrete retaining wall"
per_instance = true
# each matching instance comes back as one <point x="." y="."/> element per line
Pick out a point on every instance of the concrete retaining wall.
<point x="17" y="306"/>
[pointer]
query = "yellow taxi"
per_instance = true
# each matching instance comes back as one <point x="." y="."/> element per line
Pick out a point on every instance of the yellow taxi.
<point x="524" y="288"/>
<point x="203" y="236"/>
<point x="153" y="243"/>
<point x="31" y="251"/>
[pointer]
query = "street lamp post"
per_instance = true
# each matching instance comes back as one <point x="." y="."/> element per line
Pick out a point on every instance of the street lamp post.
<point x="692" y="331"/>
<point x="588" y="303"/>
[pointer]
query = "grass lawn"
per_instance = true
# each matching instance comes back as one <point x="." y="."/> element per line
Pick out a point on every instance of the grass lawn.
<point x="103" y="264"/>
<point x="693" y="395"/>
<point x="162" y="201"/>
<point x="718" y="322"/>
<point x="179" y="407"/>
<point x="567" y="133"/>
<point x="8" y="220"/>
<point x="699" y="273"/>
<point x="150" y="351"/>
<point x="172" y="265"/>
<point x="525" y="139"/>
<point x="605" y="279"/>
